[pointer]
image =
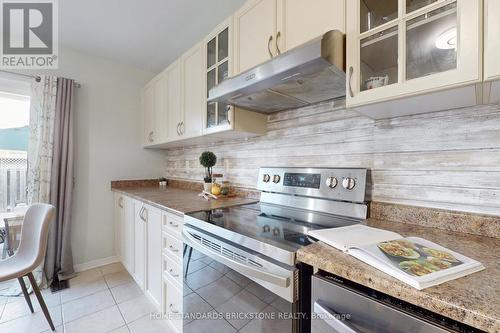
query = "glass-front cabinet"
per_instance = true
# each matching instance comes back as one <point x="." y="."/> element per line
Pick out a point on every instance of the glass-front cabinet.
<point x="218" y="46"/>
<point x="398" y="48"/>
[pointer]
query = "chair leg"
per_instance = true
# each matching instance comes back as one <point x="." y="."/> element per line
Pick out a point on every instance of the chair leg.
<point x="40" y="300"/>
<point x="25" y="293"/>
<point x="188" y="260"/>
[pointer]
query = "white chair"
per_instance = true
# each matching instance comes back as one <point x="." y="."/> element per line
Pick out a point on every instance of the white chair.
<point x="30" y="253"/>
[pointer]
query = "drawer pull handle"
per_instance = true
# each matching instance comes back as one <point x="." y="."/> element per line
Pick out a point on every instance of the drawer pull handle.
<point x="175" y="225"/>
<point x="171" y="306"/>
<point x="173" y="249"/>
<point x="171" y="271"/>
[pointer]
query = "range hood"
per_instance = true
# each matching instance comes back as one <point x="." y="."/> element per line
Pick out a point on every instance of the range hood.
<point x="310" y="73"/>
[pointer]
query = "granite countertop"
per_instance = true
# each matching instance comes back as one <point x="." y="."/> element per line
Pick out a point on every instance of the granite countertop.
<point x="177" y="200"/>
<point x="473" y="299"/>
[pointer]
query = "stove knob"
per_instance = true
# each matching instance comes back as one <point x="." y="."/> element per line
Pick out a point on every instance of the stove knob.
<point x="276" y="179"/>
<point x="348" y="183"/>
<point x="331" y="182"/>
<point x="266" y="178"/>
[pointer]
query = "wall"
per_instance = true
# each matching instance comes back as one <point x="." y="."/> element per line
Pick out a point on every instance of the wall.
<point x="448" y="159"/>
<point x="108" y="146"/>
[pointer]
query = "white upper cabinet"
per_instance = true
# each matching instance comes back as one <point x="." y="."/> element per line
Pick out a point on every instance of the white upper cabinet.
<point x="223" y="120"/>
<point x="154" y="105"/>
<point x="266" y="28"/>
<point x="402" y="48"/>
<point x="174" y="100"/>
<point x="148" y="113"/>
<point x="255" y="28"/>
<point x="218" y="64"/>
<point x="160" y="104"/>
<point x="491" y="39"/>
<point x="193" y="92"/>
<point x="305" y="20"/>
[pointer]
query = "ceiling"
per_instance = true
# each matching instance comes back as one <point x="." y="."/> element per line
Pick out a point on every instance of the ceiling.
<point x="148" y="34"/>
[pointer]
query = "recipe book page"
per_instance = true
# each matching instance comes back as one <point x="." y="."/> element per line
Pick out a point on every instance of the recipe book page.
<point x="344" y="238"/>
<point x="416" y="261"/>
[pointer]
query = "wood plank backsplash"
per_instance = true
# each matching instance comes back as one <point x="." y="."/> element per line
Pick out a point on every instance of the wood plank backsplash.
<point x="448" y="159"/>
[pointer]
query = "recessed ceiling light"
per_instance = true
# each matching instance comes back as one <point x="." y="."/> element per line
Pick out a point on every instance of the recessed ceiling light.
<point x="447" y="40"/>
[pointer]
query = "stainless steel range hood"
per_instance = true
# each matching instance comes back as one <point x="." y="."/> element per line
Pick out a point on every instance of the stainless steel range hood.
<point x="310" y="73"/>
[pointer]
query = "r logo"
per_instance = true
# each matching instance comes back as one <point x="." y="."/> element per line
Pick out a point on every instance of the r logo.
<point x="27" y="28"/>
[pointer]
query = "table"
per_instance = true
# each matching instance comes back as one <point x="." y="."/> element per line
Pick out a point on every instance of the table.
<point x="12" y="224"/>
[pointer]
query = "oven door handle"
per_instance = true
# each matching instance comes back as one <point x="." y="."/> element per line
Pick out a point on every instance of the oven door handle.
<point x="331" y="318"/>
<point x="275" y="279"/>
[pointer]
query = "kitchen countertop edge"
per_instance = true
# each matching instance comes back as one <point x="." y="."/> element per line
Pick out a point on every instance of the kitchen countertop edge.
<point x="144" y="194"/>
<point x="439" y="299"/>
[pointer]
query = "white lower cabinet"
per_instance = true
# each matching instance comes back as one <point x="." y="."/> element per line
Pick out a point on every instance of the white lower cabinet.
<point x="172" y="294"/>
<point x="148" y="242"/>
<point x="153" y="254"/>
<point x="139" y="273"/>
<point x="124" y="231"/>
<point x="172" y="248"/>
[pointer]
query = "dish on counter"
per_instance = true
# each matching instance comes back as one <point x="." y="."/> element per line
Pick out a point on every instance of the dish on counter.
<point x="396" y="249"/>
<point x="443" y="255"/>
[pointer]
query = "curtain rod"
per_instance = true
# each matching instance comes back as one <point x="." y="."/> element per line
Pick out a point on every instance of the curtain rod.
<point x="36" y="77"/>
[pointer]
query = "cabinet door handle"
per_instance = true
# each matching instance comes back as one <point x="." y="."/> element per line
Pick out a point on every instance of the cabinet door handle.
<point x="141" y="214"/>
<point x="269" y="46"/>
<point x="175" y="225"/>
<point x="150" y="137"/>
<point x="229" y="108"/>
<point x="173" y="249"/>
<point x="178" y="133"/>
<point x="181" y="128"/>
<point x="278" y="35"/>
<point x="351" y="70"/>
<point x="171" y="271"/>
<point x="120" y="202"/>
<point x="145" y="215"/>
<point x="171" y="307"/>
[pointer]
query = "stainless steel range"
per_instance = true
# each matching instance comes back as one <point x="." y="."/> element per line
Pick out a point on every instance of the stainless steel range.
<point x="260" y="240"/>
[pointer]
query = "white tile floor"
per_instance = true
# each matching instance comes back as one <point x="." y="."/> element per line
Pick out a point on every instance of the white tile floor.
<point x="100" y="300"/>
<point x="106" y="299"/>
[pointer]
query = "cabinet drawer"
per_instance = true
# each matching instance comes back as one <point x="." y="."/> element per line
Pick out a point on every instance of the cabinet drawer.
<point x="172" y="224"/>
<point x="172" y="268"/>
<point x="173" y="303"/>
<point x="172" y="246"/>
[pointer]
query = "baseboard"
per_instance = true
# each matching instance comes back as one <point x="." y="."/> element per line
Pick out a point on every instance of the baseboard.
<point x="96" y="263"/>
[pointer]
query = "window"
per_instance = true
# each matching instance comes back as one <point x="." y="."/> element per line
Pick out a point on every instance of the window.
<point x="14" y="135"/>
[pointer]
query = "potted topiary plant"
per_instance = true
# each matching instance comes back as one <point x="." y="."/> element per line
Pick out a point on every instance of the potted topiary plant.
<point x="208" y="160"/>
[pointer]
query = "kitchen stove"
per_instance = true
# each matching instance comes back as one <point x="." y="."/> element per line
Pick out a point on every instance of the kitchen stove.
<point x="260" y="240"/>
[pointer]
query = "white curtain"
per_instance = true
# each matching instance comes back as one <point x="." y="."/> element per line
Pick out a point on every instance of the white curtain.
<point x="40" y="152"/>
<point x="41" y="142"/>
<point x="41" y="146"/>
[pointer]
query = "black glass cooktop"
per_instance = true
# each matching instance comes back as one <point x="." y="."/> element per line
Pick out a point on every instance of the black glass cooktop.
<point x="280" y="226"/>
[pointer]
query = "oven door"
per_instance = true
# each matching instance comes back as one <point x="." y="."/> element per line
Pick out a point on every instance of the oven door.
<point x="280" y="279"/>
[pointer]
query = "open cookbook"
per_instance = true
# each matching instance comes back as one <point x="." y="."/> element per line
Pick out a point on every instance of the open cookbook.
<point x="415" y="261"/>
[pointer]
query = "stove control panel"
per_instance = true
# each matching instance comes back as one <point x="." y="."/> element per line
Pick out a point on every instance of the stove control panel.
<point x="305" y="180"/>
<point x="345" y="184"/>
